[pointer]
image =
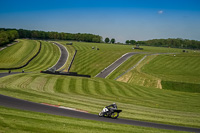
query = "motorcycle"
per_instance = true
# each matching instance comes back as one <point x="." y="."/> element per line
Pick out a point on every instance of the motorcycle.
<point x="106" y="113"/>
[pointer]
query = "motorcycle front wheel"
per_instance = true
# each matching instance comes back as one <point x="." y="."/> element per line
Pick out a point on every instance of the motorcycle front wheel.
<point x="100" y="114"/>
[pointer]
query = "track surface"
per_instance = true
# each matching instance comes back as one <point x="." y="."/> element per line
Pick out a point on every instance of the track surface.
<point x="113" y="66"/>
<point x="30" y="106"/>
<point x="6" y="74"/>
<point x="63" y="58"/>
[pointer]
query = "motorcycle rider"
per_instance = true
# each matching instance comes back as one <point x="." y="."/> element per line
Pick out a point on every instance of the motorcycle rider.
<point x="110" y="110"/>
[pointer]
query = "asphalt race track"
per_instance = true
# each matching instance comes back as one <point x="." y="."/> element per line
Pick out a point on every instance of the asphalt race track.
<point x="63" y="57"/>
<point x="6" y="74"/>
<point x="113" y="66"/>
<point x="30" y="106"/>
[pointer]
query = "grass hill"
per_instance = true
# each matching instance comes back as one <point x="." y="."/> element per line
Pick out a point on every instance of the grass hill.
<point x="92" y="94"/>
<point x="25" y="49"/>
<point x="20" y="53"/>
<point x="175" y="71"/>
<point x="47" y="57"/>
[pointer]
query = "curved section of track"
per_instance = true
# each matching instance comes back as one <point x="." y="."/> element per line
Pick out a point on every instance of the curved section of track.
<point x="63" y="58"/>
<point x="31" y="106"/>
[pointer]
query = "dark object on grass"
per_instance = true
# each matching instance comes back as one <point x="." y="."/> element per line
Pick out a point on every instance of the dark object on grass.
<point x="138" y="47"/>
<point x="70" y="43"/>
<point x="65" y="73"/>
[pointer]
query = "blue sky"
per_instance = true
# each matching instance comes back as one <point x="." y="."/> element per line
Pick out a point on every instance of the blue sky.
<point x="119" y="19"/>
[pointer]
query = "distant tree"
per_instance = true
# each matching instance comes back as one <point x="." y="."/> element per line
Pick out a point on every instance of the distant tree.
<point x="95" y="39"/>
<point x="112" y="40"/>
<point x="107" y="40"/>
<point x="3" y="38"/>
<point x="140" y="42"/>
<point x="132" y="42"/>
<point x="127" y="42"/>
<point x="8" y="36"/>
<point x="12" y="35"/>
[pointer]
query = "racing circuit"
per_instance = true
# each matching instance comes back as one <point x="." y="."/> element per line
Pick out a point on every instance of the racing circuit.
<point x="37" y="107"/>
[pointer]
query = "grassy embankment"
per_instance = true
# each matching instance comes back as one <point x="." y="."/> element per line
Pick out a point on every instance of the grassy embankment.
<point x="180" y="72"/>
<point x="18" y="121"/>
<point x="92" y="94"/>
<point x="157" y="70"/>
<point x="137" y="77"/>
<point x="47" y="57"/>
<point x="25" y="49"/>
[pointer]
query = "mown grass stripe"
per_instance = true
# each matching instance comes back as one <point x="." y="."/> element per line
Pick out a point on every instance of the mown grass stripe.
<point x="59" y="85"/>
<point x="19" y="54"/>
<point x="72" y="85"/>
<point x="85" y="86"/>
<point x="47" y="58"/>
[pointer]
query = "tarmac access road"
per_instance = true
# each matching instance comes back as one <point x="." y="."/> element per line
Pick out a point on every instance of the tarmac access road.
<point x="11" y="102"/>
<point x="115" y="65"/>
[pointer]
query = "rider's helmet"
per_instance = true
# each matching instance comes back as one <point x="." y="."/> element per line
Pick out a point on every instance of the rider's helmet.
<point x="114" y="105"/>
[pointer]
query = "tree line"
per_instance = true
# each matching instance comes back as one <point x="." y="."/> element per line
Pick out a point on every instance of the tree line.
<point x="170" y="42"/>
<point x="8" y="36"/>
<point x="35" y="34"/>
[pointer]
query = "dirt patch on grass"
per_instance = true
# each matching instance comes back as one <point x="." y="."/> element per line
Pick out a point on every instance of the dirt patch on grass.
<point x="159" y="85"/>
<point x="125" y="78"/>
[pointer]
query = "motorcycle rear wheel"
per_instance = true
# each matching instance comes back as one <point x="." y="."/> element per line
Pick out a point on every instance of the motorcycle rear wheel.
<point x="114" y="115"/>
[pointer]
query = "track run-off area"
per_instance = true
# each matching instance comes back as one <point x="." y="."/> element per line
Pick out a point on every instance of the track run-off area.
<point x="37" y="107"/>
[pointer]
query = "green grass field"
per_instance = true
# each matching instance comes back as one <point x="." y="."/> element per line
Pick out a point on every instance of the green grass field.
<point x="12" y="120"/>
<point x="180" y="72"/>
<point x="92" y="94"/>
<point x="91" y="61"/>
<point x="151" y="49"/>
<point x="125" y="66"/>
<point x="25" y="49"/>
<point x="47" y="57"/>
<point x="139" y="97"/>
<point x="137" y="77"/>
<point x="180" y="68"/>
